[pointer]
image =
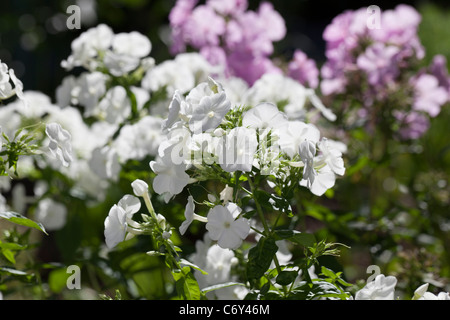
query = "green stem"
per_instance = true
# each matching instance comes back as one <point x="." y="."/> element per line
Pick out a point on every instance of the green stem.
<point x="267" y="229"/>
<point x="259" y="209"/>
<point x="149" y="205"/>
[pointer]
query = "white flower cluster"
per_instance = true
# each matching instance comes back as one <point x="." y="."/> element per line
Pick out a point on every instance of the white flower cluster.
<point x="201" y="136"/>
<point x="197" y="136"/>
<point x="116" y="110"/>
<point x="99" y="47"/>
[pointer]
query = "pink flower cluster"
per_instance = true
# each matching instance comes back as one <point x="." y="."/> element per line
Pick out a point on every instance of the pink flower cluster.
<point x="378" y="62"/>
<point x="229" y="35"/>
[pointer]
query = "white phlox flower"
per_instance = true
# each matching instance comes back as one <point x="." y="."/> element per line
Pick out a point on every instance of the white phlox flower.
<point x="382" y="288"/>
<point x="60" y="143"/>
<point x="321" y="174"/>
<point x="293" y="134"/>
<point x="324" y="179"/>
<point x="119" y="53"/>
<point x="6" y="89"/>
<point x="120" y="64"/>
<point x="171" y="178"/>
<point x="209" y="104"/>
<point x="331" y="156"/>
<point x="264" y="115"/>
<point x="132" y="44"/>
<point x="87" y="46"/>
<point x="115" y="226"/>
<point x="225" y="227"/>
<point x="422" y="293"/>
<point x="130" y="204"/>
<point x="119" y="225"/>
<point x="190" y="216"/>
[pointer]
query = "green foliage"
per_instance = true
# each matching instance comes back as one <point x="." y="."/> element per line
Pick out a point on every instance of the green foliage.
<point x="260" y="257"/>
<point x="12" y="149"/>
<point x="17" y="218"/>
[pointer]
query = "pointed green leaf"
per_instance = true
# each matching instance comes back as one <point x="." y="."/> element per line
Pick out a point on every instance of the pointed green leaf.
<point x="286" y="277"/>
<point x="297" y="237"/>
<point x="220" y="286"/>
<point x="9" y="255"/>
<point x="186" y="284"/>
<point x="184" y="262"/>
<point x="21" y="220"/>
<point x="260" y="257"/>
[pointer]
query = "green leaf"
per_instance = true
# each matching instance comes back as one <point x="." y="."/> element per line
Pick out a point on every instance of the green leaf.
<point x="12" y="246"/>
<point x="190" y="264"/>
<point x="220" y="286"/>
<point x="304" y="239"/>
<point x="260" y="257"/>
<point x="57" y="280"/>
<point x="286" y="277"/>
<point x="9" y="255"/>
<point x="20" y="275"/>
<point x="186" y="284"/>
<point x="297" y="237"/>
<point x="328" y="273"/>
<point x="16" y="218"/>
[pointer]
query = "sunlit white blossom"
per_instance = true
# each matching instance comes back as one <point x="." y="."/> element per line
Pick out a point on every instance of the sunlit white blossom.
<point x="132" y="44"/>
<point x="6" y="89"/>
<point x="331" y="156"/>
<point x="264" y="115"/>
<point x="382" y="288"/>
<point x="115" y="226"/>
<point x="209" y="104"/>
<point x="225" y="227"/>
<point x="422" y="293"/>
<point x="324" y="179"/>
<point x="293" y="134"/>
<point x="190" y="216"/>
<point x="171" y="178"/>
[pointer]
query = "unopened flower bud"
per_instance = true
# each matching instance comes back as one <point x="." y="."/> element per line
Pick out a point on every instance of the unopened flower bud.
<point x="140" y="188"/>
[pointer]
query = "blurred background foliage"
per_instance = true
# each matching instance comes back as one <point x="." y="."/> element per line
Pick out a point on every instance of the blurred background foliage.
<point x="400" y="221"/>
